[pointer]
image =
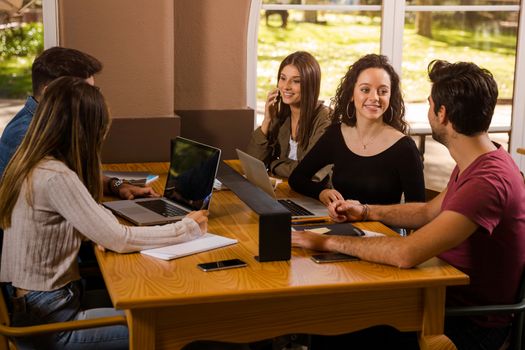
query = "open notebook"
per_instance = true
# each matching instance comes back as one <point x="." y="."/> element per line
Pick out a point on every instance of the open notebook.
<point x="207" y="242"/>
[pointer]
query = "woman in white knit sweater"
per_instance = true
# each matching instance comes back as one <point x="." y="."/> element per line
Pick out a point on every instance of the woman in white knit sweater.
<point x="50" y="194"/>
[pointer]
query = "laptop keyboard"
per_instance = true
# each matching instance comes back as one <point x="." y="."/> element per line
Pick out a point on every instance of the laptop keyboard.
<point x="294" y="208"/>
<point x="163" y="208"/>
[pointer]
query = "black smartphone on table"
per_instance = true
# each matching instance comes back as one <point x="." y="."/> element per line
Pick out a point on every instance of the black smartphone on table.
<point x="221" y="265"/>
<point x="333" y="257"/>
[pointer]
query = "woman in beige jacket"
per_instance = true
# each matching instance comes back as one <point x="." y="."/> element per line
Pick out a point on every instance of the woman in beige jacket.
<point x="294" y="119"/>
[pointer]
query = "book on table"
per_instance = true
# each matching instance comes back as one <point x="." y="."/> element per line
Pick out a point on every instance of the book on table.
<point x="337" y="229"/>
<point x="207" y="242"/>
<point x="137" y="178"/>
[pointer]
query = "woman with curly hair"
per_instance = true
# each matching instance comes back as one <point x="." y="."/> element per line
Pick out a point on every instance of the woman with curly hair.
<point x="374" y="160"/>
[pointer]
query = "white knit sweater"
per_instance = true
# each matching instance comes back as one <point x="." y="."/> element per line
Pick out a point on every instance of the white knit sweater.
<point x="40" y="248"/>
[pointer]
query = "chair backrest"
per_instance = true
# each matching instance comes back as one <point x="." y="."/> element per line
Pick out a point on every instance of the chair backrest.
<point x="6" y="331"/>
<point x="518" y="341"/>
<point x="4" y="319"/>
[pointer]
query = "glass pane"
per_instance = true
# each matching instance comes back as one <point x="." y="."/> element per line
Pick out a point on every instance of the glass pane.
<point x="323" y="2"/>
<point x="486" y="38"/>
<point x="335" y="39"/>
<point x="463" y="2"/>
<point x="21" y="39"/>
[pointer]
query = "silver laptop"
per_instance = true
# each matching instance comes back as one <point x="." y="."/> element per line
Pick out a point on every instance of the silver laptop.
<point x="303" y="207"/>
<point x="189" y="186"/>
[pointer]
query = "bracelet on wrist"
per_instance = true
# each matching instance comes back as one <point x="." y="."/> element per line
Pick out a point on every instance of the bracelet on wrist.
<point x="365" y="211"/>
<point x="114" y="185"/>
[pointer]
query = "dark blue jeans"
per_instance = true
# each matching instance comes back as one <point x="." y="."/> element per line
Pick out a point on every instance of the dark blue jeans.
<point x="64" y="305"/>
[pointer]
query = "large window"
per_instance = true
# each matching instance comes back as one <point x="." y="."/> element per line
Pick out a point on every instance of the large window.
<point x="336" y="33"/>
<point x="411" y="33"/>
<point x="21" y="39"/>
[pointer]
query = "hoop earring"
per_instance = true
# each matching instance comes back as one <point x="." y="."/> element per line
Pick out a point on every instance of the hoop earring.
<point x="350" y="117"/>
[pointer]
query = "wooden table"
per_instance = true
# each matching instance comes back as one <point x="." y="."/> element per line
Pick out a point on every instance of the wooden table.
<point x="172" y="303"/>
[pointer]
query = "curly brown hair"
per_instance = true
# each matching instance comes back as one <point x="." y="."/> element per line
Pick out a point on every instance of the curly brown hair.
<point x="344" y="109"/>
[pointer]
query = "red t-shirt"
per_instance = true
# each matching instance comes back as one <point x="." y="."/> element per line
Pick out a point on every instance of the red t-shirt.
<point x="491" y="193"/>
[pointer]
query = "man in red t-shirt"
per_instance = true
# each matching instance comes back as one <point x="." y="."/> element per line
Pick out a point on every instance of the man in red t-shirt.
<point x="477" y="224"/>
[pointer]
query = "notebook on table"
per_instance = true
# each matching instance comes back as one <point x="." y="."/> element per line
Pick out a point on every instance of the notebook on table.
<point x="255" y="172"/>
<point x="207" y="242"/>
<point x="335" y="229"/>
<point x="189" y="186"/>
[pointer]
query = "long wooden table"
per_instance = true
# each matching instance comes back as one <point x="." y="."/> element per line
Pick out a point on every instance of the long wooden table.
<point x="172" y="303"/>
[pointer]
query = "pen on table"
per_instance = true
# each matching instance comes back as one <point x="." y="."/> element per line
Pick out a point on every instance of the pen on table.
<point x="307" y="221"/>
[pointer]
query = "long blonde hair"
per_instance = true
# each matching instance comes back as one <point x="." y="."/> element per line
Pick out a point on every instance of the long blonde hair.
<point x="69" y="125"/>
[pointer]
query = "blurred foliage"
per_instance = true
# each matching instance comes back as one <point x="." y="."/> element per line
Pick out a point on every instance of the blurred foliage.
<point x="335" y="44"/>
<point x="22" y="41"/>
<point x="20" y="45"/>
<point x="339" y="39"/>
<point x="15" y="77"/>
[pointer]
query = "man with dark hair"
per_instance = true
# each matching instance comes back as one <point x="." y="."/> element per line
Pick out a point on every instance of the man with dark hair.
<point x="53" y="63"/>
<point x="476" y="224"/>
<point x="59" y="61"/>
<point x="49" y="65"/>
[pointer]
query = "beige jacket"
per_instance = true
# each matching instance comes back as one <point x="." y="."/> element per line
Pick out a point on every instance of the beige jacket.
<point x="274" y="153"/>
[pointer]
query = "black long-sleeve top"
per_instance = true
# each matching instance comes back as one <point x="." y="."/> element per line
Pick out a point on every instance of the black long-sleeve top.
<point x="378" y="179"/>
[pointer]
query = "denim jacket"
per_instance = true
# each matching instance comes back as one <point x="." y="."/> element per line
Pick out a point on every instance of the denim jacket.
<point x="15" y="131"/>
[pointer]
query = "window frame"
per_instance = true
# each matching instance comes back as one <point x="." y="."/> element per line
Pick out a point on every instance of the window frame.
<point x="50" y="21"/>
<point x="392" y="28"/>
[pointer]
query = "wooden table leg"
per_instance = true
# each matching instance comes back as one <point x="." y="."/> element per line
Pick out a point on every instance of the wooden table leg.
<point x="141" y="324"/>
<point x="431" y="336"/>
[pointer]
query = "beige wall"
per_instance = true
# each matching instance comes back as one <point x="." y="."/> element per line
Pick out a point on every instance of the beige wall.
<point x="163" y="57"/>
<point x="210" y="53"/>
<point x="134" y="40"/>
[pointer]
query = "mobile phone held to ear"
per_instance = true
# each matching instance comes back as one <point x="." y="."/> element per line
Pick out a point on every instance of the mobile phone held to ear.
<point x="221" y="265"/>
<point x="278" y="100"/>
<point x="333" y="257"/>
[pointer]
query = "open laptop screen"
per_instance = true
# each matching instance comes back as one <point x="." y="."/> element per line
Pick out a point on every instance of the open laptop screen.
<point x="192" y="171"/>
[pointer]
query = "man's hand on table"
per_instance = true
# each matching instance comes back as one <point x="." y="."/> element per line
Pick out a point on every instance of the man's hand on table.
<point x="129" y="191"/>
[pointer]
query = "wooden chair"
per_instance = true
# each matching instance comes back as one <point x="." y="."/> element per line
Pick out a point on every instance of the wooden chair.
<point x="7" y="333"/>
<point x="516" y="341"/>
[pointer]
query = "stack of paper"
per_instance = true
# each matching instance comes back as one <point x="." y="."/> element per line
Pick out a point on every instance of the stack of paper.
<point x="207" y="242"/>
<point x="133" y="177"/>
